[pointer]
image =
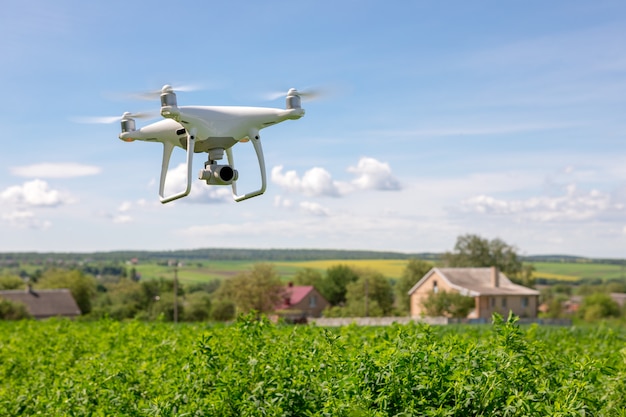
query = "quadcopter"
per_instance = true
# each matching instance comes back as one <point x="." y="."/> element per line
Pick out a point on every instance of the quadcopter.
<point x="211" y="129"/>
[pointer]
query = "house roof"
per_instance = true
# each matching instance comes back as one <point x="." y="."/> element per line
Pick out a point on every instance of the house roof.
<point x="294" y="294"/>
<point x="476" y="281"/>
<point x="44" y="303"/>
<point x="619" y="298"/>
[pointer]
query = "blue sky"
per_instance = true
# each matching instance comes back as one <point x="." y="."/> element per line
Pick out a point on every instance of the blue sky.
<point x="502" y="119"/>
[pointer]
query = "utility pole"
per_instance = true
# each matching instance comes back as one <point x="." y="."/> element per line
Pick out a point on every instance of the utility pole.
<point x="176" y="292"/>
<point x="367" y="310"/>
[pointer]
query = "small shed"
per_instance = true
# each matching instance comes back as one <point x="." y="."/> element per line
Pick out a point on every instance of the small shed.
<point x="43" y="304"/>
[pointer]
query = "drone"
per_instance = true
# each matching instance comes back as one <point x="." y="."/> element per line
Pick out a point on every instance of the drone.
<point x="211" y="129"/>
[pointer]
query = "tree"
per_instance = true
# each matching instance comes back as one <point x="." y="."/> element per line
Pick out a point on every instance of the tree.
<point x="309" y="276"/>
<point x="12" y="311"/>
<point x="334" y="284"/>
<point x="163" y="308"/>
<point x="449" y="304"/>
<point x="223" y="310"/>
<point x="82" y="287"/>
<point x="597" y="306"/>
<point x="259" y="289"/>
<point x="370" y="295"/>
<point x="414" y="271"/>
<point x="11" y="282"/>
<point x="474" y="251"/>
<point x="197" y="306"/>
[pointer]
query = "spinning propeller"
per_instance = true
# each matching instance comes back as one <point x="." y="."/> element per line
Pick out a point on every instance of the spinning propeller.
<point x="308" y="94"/>
<point x="155" y="94"/>
<point x="113" y="119"/>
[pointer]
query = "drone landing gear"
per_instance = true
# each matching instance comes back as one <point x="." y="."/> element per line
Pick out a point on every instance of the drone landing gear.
<point x="167" y="153"/>
<point x="256" y="142"/>
<point x="216" y="174"/>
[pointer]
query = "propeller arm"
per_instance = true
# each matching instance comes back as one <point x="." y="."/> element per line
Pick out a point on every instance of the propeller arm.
<point x="256" y="142"/>
<point x="167" y="153"/>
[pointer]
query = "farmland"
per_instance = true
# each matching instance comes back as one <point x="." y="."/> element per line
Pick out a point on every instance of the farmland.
<point x="575" y="271"/>
<point x="253" y="367"/>
<point x="392" y="268"/>
<point x="203" y="271"/>
<point x="203" y="265"/>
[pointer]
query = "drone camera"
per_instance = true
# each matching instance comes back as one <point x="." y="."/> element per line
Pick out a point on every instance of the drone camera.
<point x="215" y="174"/>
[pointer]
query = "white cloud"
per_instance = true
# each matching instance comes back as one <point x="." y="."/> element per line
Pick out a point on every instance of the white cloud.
<point x="122" y="218"/>
<point x="26" y="219"/>
<point x="55" y="170"/>
<point x="374" y="175"/>
<point x="315" y="182"/>
<point x="125" y="210"/>
<point x="371" y="174"/>
<point x="32" y="193"/>
<point x="125" y="206"/>
<point x="573" y="205"/>
<point x="314" y="209"/>
<point x="484" y="129"/>
<point x="280" y="201"/>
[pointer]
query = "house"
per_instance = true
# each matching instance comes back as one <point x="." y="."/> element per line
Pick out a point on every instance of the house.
<point x="572" y="305"/>
<point x="42" y="304"/>
<point x="301" y="302"/>
<point x="493" y="291"/>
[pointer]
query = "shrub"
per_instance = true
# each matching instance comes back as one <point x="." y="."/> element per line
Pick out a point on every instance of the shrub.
<point x="13" y="311"/>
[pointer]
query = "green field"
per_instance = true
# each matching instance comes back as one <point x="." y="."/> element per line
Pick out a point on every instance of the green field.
<point x="202" y="271"/>
<point x="574" y="271"/>
<point x="255" y="368"/>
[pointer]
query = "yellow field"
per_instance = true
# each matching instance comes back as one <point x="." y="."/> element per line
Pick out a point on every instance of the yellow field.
<point x="391" y="268"/>
<point x="557" y="277"/>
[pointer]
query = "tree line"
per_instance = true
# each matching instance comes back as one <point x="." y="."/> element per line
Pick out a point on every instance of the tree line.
<point x="116" y="292"/>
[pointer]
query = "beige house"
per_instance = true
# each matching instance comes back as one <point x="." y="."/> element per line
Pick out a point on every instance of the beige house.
<point x="493" y="291"/>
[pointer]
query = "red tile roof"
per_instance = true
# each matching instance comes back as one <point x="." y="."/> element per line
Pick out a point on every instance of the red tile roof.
<point x="294" y="294"/>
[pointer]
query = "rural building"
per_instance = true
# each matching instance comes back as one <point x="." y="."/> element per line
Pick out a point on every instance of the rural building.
<point x="42" y="304"/>
<point x="493" y="291"/>
<point x="301" y="302"/>
<point x="572" y="305"/>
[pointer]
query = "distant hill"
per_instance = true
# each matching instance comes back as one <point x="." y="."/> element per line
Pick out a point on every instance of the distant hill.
<point x="226" y="254"/>
<point x="571" y="259"/>
<point x="212" y="254"/>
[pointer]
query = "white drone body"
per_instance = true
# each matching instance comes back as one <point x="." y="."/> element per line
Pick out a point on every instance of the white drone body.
<point x="211" y="129"/>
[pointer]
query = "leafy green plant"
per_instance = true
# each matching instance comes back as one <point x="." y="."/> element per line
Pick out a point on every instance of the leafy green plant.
<point x="254" y="367"/>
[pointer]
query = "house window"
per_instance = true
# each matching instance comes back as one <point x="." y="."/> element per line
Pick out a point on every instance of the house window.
<point x="524" y="302"/>
<point x="503" y="301"/>
<point x="435" y="288"/>
<point x="493" y="301"/>
<point x="312" y="301"/>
